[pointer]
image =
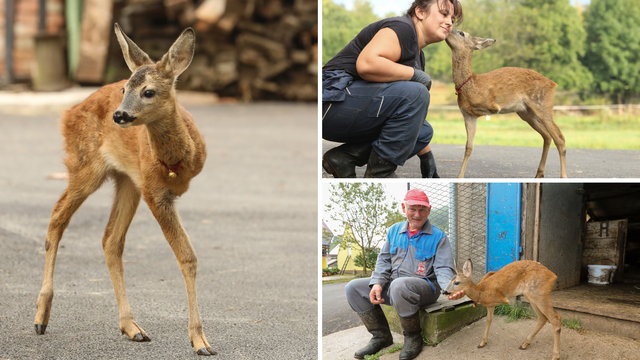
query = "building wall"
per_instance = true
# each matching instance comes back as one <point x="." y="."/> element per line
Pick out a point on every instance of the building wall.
<point x="25" y="28"/>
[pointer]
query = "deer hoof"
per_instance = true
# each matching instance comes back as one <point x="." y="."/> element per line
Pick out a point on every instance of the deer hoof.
<point x="206" y="352"/>
<point x="140" y="337"/>
<point x="522" y="347"/>
<point x="40" y="329"/>
<point x="480" y="346"/>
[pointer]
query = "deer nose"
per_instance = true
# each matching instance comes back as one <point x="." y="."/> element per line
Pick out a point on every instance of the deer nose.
<point x="122" y="117"/>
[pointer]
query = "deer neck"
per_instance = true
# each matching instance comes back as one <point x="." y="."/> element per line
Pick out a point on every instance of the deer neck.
<point x="169" y="138"/>
<point x="461" y="67"/>
<point x="473" y="292"/>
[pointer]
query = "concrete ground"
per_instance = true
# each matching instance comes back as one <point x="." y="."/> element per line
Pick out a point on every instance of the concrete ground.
<point x="504" y="342"/>
<point x="516" y="162"/>
<point x="251" y="216"/>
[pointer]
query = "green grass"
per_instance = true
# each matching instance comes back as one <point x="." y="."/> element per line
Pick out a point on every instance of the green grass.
<point x="376" y="356"/>
<point x="600" y="131"/>
<point x="574" y="323"/>
<point x="514" y="313"/>
<point x="335" y="281"/>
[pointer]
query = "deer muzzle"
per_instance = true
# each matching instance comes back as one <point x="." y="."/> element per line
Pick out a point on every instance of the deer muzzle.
<point x="122" y="117"/>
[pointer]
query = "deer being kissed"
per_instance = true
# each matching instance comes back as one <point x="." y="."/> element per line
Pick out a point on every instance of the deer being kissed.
<point x="528" y="278"/>
<point x="503" y="91"/>
<point x="136" y="133"/>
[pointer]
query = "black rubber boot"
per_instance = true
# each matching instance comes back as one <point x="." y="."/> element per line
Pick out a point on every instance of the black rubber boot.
<point x="378" y="167"/>
<point x="377" y="325"/>
<point x="341" y="161"/>
<point x="412" y="337"/>
<point x="428" y="165"/>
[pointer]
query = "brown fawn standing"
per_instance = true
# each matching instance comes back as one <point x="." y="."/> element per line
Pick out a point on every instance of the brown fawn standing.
<point x="503" y="91"/>
<point x="525" y="277"/>
<point x="136" y="133"/>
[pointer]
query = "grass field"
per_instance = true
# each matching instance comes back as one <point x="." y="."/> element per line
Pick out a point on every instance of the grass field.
<point x="598" y="130"/>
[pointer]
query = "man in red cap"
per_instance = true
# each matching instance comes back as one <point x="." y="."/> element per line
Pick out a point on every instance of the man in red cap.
<point x="414" y="263"/>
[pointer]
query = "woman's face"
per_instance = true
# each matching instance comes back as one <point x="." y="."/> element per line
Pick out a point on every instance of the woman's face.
<point x="437" y="24"/>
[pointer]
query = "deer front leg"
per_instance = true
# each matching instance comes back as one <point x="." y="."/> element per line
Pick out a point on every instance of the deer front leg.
<point x="485" y="339"/>
<point x="470" y="125"/>
<point x="163" y="209"/>
<point x="126" y="202"/>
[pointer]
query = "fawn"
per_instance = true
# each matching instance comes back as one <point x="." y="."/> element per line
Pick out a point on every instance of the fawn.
<point x="503" y="91"/>
<point x="525" y="277"/>
<point x="136" y="133"/>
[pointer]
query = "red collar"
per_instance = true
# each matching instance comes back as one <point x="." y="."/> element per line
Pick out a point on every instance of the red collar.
<point x="458" y="89"/>
<point x="173" y="170"/>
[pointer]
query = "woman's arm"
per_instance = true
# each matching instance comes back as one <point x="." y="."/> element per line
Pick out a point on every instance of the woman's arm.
<point x="377" y="61"/>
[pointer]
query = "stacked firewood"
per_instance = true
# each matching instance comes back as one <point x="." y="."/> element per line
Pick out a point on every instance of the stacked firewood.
<point x="245" y="49"/>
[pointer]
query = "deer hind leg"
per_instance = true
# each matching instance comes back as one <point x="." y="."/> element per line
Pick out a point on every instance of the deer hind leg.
<point x="536" y="123"/>
<point x="558" y="139"/>
<point x="485" y="339"/>
<point x="125" y="204"/>
<point x="470" y="123"/>
<point x="541" y="304"/>
<point x="81" y="184"/>
<point x="163" y="209"/>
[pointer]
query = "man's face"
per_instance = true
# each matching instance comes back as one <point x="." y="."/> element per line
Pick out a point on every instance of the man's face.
<point x="417" y="215"/>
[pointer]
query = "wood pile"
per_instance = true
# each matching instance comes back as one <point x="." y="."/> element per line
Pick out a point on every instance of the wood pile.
<point x="245" y="49"/>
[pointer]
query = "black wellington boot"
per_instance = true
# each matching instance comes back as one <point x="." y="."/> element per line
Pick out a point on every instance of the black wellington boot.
<point x="341" y="161"/>
<point x="377" y="325"/>
<point x="428" y="165"/>
<point x="412" y="337"/>
<point x="378" y="167"/>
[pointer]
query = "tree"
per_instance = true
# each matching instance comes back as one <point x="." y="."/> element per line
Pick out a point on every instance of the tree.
<point x="613" y="47"/>
<point x="364" y="208"/>
<point x="371" y="256"/>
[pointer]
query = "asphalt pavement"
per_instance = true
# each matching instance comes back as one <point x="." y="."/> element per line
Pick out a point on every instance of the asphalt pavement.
<point x="337" y="315"/>
<point x="251" y="216"/>
<point x="516" y="162"/>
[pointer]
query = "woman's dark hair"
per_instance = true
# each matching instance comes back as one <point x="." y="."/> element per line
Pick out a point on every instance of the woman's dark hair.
<point x="426" y="5"/>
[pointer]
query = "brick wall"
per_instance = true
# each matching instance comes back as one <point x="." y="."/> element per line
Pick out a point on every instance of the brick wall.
<point x="25" y="27"/>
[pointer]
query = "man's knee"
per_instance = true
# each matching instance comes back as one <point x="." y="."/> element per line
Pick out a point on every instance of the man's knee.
<point x="399" y="288"/>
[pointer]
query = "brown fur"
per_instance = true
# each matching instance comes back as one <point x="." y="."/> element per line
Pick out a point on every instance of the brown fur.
<point x="503" y="91"/>
<point x="528" y="278"/>
<point x="97" y="148"/>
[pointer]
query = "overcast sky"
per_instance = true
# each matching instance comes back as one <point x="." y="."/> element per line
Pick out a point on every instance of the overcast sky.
<point x="382" y="7"/>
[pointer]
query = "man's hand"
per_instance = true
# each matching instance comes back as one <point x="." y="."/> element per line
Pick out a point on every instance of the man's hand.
<point x="456" y="296"/>
<point x="375" y="296"/>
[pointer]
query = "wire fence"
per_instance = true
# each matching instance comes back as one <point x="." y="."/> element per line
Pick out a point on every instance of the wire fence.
<point x="460" y="211"/>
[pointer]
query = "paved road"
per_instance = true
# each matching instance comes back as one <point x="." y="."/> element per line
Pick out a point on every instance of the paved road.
<point x="520" y="162"/>
<point x="337" y="315"/>
<point x="252" y="218"/>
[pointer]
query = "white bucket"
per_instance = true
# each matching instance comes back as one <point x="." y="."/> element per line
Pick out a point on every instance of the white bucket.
<point x="601" y="274"/>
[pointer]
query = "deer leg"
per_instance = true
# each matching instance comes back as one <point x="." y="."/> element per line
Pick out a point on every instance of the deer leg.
<point x="164" y="211"/>
<point x="545" y="307"/>
<point x="535" y="122"/>
<point x="545" y="116"/>
<point x="126" y="200"/>
<point x="470" y="123"/>
<point x="542" y="320"/>
<point x="485" y="339"/>
<point x="74" y="195"/>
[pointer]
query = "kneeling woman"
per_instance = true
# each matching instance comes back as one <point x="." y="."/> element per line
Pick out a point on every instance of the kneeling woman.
<point x="375" y="94"/>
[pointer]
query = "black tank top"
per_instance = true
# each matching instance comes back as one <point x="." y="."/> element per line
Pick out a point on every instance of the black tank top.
<point x="405" y="29"/>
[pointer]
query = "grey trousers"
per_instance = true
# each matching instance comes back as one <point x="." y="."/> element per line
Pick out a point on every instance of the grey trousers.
<point x="406" y="294"/>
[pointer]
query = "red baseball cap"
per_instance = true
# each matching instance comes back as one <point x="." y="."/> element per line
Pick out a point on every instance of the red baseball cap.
<point x="416" y="197"/>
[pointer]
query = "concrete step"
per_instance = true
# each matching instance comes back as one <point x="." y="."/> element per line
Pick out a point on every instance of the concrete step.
<point x="440" y="319"/>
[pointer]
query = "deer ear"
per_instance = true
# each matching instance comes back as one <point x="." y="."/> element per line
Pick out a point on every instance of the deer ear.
<point x="467" y="268"/>
<point x="480" y="43"/>
<point x="133" y="55"/>
<point x="179" y="56"/>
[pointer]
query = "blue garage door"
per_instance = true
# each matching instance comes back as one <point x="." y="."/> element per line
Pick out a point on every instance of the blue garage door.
<point x="503" y="224"/>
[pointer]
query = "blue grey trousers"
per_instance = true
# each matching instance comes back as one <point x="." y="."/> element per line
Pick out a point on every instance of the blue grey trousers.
<point x="406" y="294"/>
<point x="389" y="115"/>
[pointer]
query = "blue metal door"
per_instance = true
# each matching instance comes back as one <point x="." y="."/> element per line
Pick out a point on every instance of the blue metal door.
<point x="503" y="224"/>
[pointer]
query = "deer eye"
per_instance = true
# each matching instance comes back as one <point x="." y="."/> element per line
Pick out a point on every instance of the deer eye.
<point x="149" y="93"/>
<point x="457" y="283"/>
<point x="461" y="33"/>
